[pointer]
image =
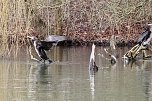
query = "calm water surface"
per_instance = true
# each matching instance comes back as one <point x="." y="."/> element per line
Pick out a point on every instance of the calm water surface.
<point x="68" y="78"/>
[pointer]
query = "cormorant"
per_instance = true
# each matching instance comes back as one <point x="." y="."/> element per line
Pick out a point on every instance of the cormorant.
<point x="42" y="46"/>
<point x="142" y="43"/>
<point x="146" y="36"/>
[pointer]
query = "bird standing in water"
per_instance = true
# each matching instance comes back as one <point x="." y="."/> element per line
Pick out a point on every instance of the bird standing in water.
<point x="41" y="47"/>
<point x="146" y="36"/>
<point x="143" y="44"/>
<point x="144" y="40"/>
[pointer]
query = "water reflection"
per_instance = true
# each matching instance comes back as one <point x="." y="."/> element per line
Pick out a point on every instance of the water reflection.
<point x="39" y="82"/>
<point x="143" y="68"/>
<point x="92" y="85"/>
<point x="131" y="64"/>
<point x="146" y="79"/>
<point x="68" y="78"/>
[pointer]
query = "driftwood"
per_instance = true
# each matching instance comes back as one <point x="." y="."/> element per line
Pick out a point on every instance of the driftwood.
<point x="133" y="52"/>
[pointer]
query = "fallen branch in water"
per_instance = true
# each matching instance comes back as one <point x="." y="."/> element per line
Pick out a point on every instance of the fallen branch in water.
<point x="112" y="58"/>
<point x="133" y="52"/>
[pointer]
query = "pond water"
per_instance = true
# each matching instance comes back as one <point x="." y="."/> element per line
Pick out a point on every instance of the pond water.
<point x="68" y="78"/>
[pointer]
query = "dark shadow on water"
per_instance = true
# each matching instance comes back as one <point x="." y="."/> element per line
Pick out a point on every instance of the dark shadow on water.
<point x="43" y="68"/>
<point x="43" y="76"/>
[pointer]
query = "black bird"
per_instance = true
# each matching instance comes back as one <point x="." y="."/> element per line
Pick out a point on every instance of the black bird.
<point x="41" y="46"/>
<point x="146" y="36"/>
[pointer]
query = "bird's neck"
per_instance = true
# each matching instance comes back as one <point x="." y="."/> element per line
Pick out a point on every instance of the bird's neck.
<point x="35" y="43"/>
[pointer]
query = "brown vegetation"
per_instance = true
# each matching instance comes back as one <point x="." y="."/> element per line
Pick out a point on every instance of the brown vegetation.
<point x="80" y="20"/>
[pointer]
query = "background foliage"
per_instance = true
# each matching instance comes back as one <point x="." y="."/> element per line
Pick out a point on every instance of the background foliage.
<point x="84" y="20"/>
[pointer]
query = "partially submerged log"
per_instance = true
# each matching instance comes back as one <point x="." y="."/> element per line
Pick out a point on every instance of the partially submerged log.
<point x="111" y="53"/>
<point x="133" y="52"/>
<point x="92" y="65"/>
<point x="113" y="42"/>
<point x="112" y="58"/>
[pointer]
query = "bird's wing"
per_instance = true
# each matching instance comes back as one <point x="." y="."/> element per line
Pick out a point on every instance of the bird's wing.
<point x="147" y="38"/>
<point x="142" y="37"/>
<point x="42" y="53"/>
<point x="46" y="45"/>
